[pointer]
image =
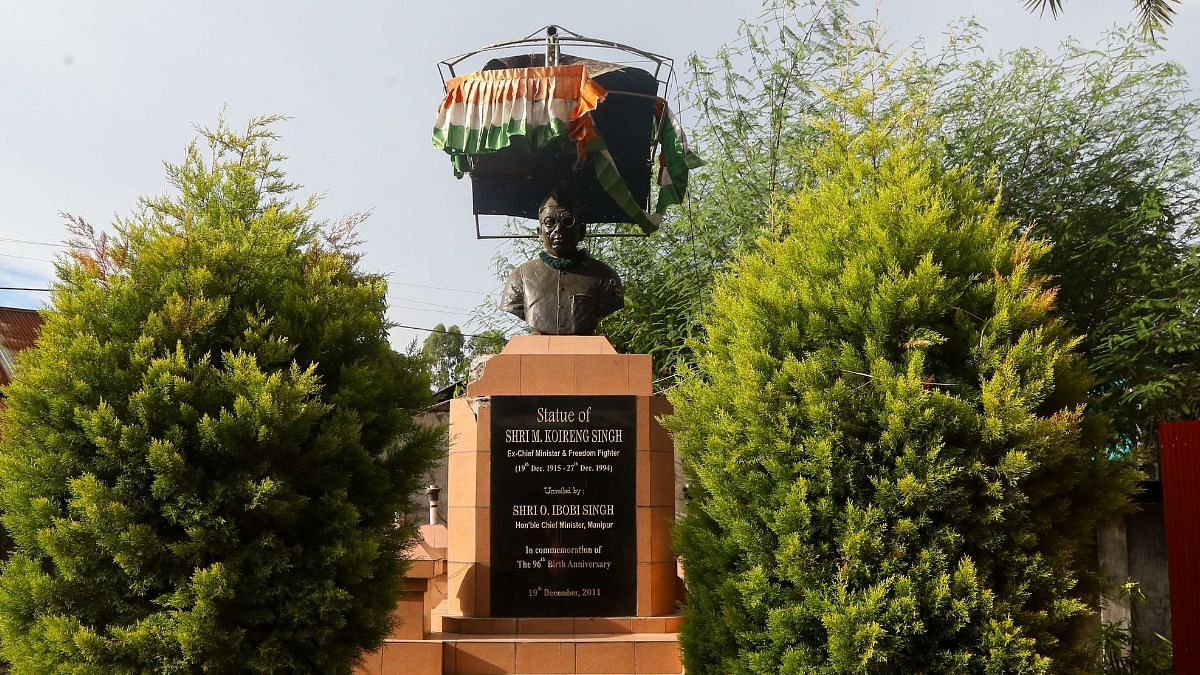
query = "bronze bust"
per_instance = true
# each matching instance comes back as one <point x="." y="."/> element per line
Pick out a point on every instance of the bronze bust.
<point x="564" y="291"/>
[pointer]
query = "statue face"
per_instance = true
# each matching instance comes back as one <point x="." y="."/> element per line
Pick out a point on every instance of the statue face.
<point x="560" y="231"/>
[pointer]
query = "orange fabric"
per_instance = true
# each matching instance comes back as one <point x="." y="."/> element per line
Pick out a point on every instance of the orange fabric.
<point x="569" y="83"/>
<point x="534" y="84"/>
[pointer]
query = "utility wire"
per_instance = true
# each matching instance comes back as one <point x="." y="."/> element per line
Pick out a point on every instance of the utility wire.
<point x="434" y="330"/>
<point x="430" y="309"/>
<point x="436" y="288"/>
<point x="419" y="309"/>
<point x="446" y="309"/>
<point x="33" y="243"/>
<point x="50" y="243"/>
<point x="430" y="306"/>
<point x="25" y="257"/>
<point x="399" y="325"/>
<point x="426" y="302"/>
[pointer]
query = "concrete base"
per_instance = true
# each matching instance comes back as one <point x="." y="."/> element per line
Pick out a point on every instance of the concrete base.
<point x="533" y="365"/>
<point x="446" y="624"/>
<point x="463" y="654"/>
<point x="589" y="625"/>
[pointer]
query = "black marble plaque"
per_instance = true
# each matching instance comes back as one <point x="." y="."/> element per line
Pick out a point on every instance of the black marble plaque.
<point x="564" y="519"/>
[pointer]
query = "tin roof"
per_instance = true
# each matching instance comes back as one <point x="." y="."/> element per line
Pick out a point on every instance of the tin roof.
<point x="19" y="329"/>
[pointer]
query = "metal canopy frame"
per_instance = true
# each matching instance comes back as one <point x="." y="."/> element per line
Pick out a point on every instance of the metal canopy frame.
<point x="551" y="38"/>
<point x="597" y="235"/>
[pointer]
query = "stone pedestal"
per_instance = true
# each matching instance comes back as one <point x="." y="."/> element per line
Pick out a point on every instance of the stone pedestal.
<point x="558" y="366"/>
<point x="476" y="635"/>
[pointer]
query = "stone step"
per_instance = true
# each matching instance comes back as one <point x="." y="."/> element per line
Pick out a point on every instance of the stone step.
<point x="548" y="654"/>
<point x="562" y="625"/>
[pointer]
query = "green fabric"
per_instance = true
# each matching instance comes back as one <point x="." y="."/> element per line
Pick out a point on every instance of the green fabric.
<point x="563" y="263"/>
<point x="676" y="160"/>
<point x="460" y="141"/>
<point x="464" y="139"/>
<point x="610" y="179"/>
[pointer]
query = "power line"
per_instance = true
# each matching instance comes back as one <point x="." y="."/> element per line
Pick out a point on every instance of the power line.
<point x="463" y="311"/>
<point x="430" y="309"/>
<point x="33" y="243"/>
<point x="426" y="302"/>
<point x="430" y="306"/>
<point x="399" y="325"/>
<point x="438" y="306"/>
<point x="437" y="288"/>
<point x="25" y="257"/>
<point x="60" y="245"/>
<point x="393" y="297"/>
<point x="434" y="330"/>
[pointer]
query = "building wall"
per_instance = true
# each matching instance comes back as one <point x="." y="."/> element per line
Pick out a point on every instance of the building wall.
<point x="1146" y="539"/>
<point x="433" y="416"/>
<point x="1134" y="548"/>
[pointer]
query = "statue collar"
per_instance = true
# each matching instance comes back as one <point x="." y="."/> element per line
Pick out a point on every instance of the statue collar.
<point x="563" y="263"/>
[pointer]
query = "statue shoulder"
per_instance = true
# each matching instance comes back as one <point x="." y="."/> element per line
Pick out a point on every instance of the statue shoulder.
<point x="525" y="269"/>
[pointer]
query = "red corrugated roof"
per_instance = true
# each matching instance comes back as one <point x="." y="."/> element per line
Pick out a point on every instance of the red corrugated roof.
<point x="19" y="329"/>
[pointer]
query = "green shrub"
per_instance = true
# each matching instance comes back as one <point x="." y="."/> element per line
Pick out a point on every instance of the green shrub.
<point x="889" y="464"/>
<point x="204" y="454"/>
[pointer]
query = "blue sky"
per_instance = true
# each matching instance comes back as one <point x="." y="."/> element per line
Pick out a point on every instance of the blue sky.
<point x="95" y="96"/>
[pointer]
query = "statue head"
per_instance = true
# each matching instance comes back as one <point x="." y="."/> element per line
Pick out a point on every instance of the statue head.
<point x="560" y="226"/>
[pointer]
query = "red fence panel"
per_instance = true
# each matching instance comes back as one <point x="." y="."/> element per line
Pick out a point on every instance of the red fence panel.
<point x="1180" y="460"/>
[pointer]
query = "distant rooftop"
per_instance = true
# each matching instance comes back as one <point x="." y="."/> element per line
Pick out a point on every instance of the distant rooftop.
<point x="19" y="329"/>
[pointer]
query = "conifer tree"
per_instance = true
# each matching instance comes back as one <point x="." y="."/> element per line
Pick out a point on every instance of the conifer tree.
<point x="1095" y="146"/>
<point x="444" y="354"/>
<point x="204" y="456"/>
<point x="891" y="466"/>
